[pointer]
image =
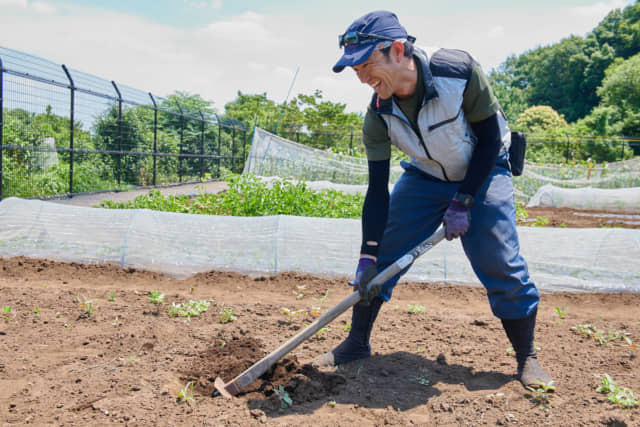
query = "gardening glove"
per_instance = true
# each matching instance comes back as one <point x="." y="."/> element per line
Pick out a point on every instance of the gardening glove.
<point x="456" y="220"/>
<point x="367" y="270"/>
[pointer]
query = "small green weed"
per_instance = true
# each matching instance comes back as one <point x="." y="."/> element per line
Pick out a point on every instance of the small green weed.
<point x="347" y="327"/>
<point x="36" y="311"/>
<point x="188" y="310"/>
<point x="324" y="297"/>
<point x="285" y="399"/>
<point x="6" y="309"/>
<point x="561" y="312"/>
<point x="417" y="308"/>
<point x="294" y="314"/>
<point x="156" y="297"/>
<point x="112" y="297"/>
<point x="186" y="393"/>
<point x="227" y="315"/>
<point x="85" y="304"/>
<point x="624" y="397"/>
<point x="602" y="337"/>
<point x="521" y="213"/>
<point x="541" y="221"/>
<point x="543" y="394"/>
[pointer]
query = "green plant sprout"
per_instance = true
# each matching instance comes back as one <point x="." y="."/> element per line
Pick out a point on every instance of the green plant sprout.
<point x="6" y="310"/>
<point x="417" y="308"/>
<point x="323" y="330"/>
<point x="227" y="315"/>
<point x="112" y="297"/>
<point x="623" y="397"/>
<point x="186" y="393"/>
<point x="332" y="403"/>
<point x="85" y="304"/>
<point x="541" y="221"/>
<point x="543" y="394"/>
<point x="603" y="338"/>
<point x="188" y="310"/>
<point x="36" y="311"/>
<point x="285" y="399"/>
<point x="323" y="298"/>
<point x="347" y="327"/>
<point x="561" y="312"/>
<point x="292" y="314"/>
<point x="156" y="297"/>
<point x="521" y="213"/>
<point x="298" y="291"/>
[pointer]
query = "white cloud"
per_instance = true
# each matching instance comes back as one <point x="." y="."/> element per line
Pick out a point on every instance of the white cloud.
<point x="18" y="3"/>
<point x="496" y="32"/>
<point x="599" y="10"/>
<point x="257" y="53"/>
<point x="44" y="8"/>
<point x="248" y="27"/>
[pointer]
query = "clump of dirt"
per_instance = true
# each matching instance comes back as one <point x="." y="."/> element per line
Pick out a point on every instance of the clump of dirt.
<point x="228" y="358"/>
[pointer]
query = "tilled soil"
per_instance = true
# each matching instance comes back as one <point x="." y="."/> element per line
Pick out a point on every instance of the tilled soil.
<point x="84" y="345"/>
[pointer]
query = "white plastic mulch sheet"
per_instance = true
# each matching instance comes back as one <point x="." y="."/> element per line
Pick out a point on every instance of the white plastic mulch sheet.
<point x="181" y="245"/>
<point x="617" y="199"/>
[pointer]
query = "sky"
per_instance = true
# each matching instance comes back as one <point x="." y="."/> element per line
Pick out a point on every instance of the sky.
<point x="215" y="48"/>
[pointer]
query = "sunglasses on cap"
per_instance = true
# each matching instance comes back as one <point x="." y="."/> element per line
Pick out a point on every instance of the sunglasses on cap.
<point x="352" y="38"/>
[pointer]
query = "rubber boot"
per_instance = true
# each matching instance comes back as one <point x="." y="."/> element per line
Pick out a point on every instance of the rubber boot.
<point x="521" y="332"/>
<point x="356" y="346"/>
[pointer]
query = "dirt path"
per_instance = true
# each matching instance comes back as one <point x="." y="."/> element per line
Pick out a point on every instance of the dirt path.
<point x="84" y="345"/>
<point x="92" y="200"/>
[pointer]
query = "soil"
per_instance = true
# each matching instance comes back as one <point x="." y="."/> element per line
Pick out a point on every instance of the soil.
<point x="122" y="360"/>
<point x="84" y="345"/>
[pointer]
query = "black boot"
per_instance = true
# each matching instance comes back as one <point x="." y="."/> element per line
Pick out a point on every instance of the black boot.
<point x="356" y="346"/>
<point x="521" y="332"/>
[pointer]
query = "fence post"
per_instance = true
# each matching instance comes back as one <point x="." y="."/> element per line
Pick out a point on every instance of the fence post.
<point x="155" y="136"/>
<point x="181" y="140"/>
<point x="622" y="151"/>
<point x="244" y="144"/>
<point x="567" y="154"/>
<point x="1" y="127"/>
<point x="72" y="88"/>
<point x="233" y="147"/>
<point x="351" y="142"/>
<point x="119" y="132"/>
<point x="219" y="138"/>
<point x="201" y="145"/>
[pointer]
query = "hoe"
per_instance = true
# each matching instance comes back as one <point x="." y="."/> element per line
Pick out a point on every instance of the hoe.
<point x="252" y="373"/>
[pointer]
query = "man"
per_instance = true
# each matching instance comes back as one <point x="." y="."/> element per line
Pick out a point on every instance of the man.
<point x="439" y="109"/>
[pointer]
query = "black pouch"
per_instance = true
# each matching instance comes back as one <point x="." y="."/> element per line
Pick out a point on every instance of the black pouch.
<point x="516" y="152"/>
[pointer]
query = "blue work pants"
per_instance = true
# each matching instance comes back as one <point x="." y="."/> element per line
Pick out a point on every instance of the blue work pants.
<point x="418" y="203"/>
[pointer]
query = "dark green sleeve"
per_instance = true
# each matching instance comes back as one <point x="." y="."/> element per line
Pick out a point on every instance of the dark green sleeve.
<point x="479" y="102"/>
<point x="375" y="138"/>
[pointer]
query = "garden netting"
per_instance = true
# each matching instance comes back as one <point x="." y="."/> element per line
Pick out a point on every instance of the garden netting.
<point x="181" y="245"/>
<point x="273" y="156"/>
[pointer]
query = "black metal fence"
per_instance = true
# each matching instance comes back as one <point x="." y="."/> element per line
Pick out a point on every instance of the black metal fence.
<point x="64" y="132"/>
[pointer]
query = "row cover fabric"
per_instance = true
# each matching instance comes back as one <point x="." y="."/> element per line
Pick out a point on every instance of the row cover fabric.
<point x="180" y="245"/>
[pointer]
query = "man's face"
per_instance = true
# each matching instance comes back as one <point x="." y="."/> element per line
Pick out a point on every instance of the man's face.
<point x="379" y="72"/>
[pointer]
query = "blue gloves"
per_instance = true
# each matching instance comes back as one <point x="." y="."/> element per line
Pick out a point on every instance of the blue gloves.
<point x="456" y="220"/>
<point x="367" y="270"/>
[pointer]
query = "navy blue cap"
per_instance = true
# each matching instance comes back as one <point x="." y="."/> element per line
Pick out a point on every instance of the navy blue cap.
<point x="380" y="23"/>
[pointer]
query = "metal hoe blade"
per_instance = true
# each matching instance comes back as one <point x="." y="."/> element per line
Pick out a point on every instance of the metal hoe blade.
<point x="252" y="373"/>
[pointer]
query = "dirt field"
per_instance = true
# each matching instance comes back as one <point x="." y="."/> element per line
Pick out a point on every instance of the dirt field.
<point x="84" y="345"/>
